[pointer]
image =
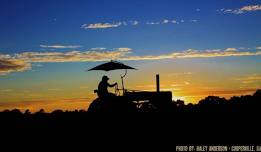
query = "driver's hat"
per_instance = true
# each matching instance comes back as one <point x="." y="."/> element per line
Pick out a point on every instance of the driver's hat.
<point x="105" y="78"/>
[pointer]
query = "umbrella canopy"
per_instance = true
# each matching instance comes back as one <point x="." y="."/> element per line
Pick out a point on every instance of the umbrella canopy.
<point x="112" y="65"/>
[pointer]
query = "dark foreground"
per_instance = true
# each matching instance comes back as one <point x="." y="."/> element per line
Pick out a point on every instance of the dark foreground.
<point x="214" y="121"/>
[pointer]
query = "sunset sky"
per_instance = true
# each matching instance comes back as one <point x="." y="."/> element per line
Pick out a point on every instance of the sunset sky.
<point x="199" y="48"/>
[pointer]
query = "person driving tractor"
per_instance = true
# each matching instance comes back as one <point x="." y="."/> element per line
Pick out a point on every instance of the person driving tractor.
<point x="103" y="87"/>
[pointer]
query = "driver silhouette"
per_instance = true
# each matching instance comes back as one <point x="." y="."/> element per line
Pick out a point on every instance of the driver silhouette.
<point x="103" y="87"/>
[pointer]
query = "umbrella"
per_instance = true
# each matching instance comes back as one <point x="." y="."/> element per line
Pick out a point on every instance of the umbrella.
<point x="113" y="65"/>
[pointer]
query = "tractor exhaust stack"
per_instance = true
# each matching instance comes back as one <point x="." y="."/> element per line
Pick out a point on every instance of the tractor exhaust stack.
<point x="158" y="83"/>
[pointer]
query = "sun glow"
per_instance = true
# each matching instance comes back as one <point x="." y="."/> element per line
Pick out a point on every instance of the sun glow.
<point x="175" y="98"/>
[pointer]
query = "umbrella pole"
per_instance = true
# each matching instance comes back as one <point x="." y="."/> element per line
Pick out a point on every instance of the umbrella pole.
<point x="122" y="83"/>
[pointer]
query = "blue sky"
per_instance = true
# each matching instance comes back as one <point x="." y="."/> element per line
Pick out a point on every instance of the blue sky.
<point x="27" y="24"/>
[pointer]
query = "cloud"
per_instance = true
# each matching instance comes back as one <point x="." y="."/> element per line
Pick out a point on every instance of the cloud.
<point x="197" y="9"/>
<point x="153" y="23"/>
<point x="109" y="25"/>
<point x="13" y="65"/>
<point x="54" y="89"/>
<point x="135" y="22"/>
<point x="165" y="21"/>
<point x="22" y="61"/>
<point x="98" y="49"/>
<point x="232" y="92"/>
<point x="243" y="48"/>
<point x="194" y="21"/>
<point x="231" y="49"/>
<point x="72" y="56"/>
<point x="61" y="46"/>
<point x="6" y="90"/>
<point x="185" y="83"/>
<point x="242" y="10"/>
<point x="123" y="49"/>
<point x="191" y="53"/>
<point x="178" y="74"/>
<point x="251" y="8"/>
<point x="253" y="78"/>
<point x="175" y="22"/>
<point x="101" y="25"/>
<point x="130" y="23"/>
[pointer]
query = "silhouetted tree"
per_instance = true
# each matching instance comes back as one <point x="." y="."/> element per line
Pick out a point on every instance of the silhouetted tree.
<point x="16" y="111"/>
<point x="27" y="112"/>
